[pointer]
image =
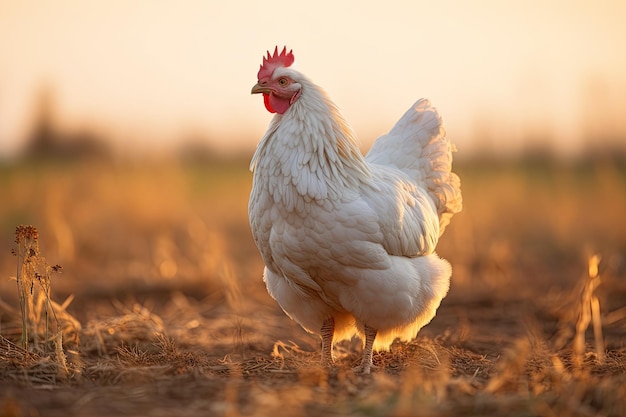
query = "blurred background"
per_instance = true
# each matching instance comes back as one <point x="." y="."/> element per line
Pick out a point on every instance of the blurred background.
<point x="151" y="77"/>
<point x="126" y="129"/>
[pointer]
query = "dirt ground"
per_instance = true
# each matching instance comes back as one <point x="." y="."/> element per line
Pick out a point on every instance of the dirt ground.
<point x="162" y="310"/>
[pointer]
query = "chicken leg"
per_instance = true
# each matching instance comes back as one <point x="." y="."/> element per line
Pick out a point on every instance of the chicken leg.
<point x="366" y="362"/>
<point x="328" y="331"/>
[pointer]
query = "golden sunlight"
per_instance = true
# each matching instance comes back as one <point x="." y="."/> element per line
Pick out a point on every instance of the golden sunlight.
<point x="147" y="75"/>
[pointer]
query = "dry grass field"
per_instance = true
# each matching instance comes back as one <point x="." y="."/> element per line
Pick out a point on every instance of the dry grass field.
<point x="159" y="308"/>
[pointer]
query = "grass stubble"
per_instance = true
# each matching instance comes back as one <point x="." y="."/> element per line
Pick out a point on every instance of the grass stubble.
<point x="170" y="350"/>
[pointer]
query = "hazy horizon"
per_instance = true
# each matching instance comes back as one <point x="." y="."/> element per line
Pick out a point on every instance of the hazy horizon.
<point x="506" y="77"/>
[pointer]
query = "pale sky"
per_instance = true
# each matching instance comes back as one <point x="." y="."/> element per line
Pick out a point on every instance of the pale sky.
<point x="148" y="73"/>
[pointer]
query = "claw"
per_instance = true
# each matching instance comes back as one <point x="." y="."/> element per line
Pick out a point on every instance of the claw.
<point x="365" y="369"/>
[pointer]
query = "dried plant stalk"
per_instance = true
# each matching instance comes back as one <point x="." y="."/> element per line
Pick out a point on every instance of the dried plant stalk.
<point x="589" y="313"/>
<point x="27" y="248"/>
<point x="33" y="286"/>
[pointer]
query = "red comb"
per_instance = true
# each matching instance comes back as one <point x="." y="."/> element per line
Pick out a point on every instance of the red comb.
<point x="271" y="62"/>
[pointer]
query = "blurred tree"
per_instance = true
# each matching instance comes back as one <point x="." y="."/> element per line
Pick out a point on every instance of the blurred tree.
<point x="46" y="140"/>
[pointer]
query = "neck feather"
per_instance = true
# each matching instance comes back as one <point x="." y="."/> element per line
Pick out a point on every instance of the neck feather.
<point x="310" y="151"/>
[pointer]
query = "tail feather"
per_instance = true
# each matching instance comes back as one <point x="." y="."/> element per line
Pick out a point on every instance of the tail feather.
<point x="417" y="145"/>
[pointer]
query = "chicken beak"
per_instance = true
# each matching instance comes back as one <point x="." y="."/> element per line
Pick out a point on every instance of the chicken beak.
<point x="258" y="88"/>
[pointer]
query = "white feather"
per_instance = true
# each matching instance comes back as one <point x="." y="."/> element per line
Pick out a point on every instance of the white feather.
<point x="349" y="237"/>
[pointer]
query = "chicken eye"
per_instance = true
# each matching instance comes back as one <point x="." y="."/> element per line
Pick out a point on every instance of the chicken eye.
<point x="283" y="82"/>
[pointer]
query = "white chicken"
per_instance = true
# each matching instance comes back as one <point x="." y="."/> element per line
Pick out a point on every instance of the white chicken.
<point x="348" y="242"/>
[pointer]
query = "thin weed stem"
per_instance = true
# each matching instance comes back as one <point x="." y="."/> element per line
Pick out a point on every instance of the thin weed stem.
<point x="589" y="314"/>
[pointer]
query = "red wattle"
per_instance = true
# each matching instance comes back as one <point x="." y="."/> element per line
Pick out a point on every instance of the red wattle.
<point x="266" y="101"/>
<point x="278" y="104"/>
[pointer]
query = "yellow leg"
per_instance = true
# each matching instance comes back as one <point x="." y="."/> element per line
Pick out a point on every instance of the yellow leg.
<point x="328" y="331"/>
<point x="366" y="362"/>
